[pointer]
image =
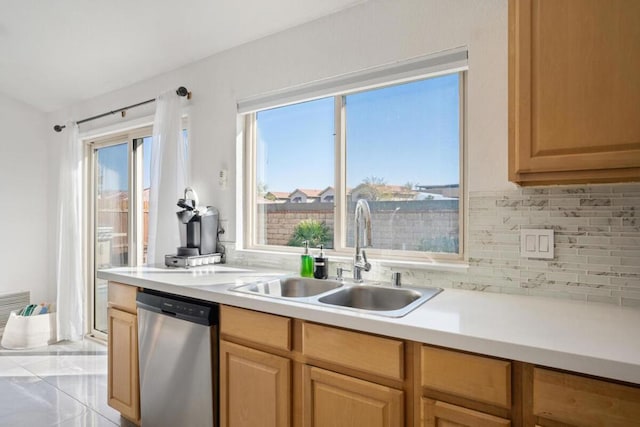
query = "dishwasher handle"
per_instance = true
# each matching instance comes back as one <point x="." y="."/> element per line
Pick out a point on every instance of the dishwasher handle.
<point x="183" y="308"/>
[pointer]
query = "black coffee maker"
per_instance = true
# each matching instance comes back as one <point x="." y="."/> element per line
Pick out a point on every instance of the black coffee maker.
<point x="198" y="226"/>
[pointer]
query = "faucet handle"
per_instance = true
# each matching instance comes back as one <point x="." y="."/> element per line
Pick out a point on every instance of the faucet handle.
<point x="367" y="266"/>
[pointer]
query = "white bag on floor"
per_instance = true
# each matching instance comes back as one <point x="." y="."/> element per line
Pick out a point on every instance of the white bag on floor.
<point x="23" y="332"/>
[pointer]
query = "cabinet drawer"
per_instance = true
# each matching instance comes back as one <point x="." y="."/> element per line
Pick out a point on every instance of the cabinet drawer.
<point x="376" y="355"/>
<point x="436" y="414"/>
<point x="475" y="377"/>
<point x="577" y="400"/>
<point x="261" y="328"/>
<point x="122" y="296"/>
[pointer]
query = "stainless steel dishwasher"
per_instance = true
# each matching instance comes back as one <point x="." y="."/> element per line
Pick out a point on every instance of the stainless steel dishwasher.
<point x="177" y="351"/>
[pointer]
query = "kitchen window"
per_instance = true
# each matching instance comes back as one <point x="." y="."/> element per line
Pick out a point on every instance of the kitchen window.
<point x="396" y="144"/>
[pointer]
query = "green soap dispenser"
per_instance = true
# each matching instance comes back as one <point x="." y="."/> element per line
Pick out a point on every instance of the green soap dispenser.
<point x="306" y="262"/>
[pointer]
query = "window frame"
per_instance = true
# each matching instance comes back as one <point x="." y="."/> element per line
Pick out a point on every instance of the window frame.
<point x="250" y="213"/>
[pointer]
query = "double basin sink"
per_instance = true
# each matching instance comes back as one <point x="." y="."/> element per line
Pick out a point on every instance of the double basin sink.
<point x="368" y="298"/>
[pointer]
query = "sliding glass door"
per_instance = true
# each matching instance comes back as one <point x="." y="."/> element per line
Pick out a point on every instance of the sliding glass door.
<point x="111" y="220"/>
<point x="120" y="200"/>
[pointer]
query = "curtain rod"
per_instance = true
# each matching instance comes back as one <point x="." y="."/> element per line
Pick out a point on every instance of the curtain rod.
<point x="182" y="91"/>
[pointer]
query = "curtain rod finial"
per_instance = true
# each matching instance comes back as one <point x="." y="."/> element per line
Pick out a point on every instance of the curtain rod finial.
<point x="58" y="128"/>
<point x="182" y="91"/>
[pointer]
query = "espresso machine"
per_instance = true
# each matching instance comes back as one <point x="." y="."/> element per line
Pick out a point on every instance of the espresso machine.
<point x="199" y="228"/>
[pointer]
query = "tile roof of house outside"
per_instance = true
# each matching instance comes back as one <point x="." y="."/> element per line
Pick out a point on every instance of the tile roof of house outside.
<point x="389" y="192"/>
<point x="277" y="195"/>
<point x="326" y="190"/>
<point x="307" y="192"/>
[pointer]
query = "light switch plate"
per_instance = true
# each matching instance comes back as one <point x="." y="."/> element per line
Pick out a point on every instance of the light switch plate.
<point x="536" y="243"/>
<point x="223" y="179"/>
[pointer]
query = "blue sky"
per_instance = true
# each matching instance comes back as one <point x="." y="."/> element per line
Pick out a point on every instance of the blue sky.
<point x="113" y="160"/>
<point x="405" y="133"/>
<point x="113" y="167"/>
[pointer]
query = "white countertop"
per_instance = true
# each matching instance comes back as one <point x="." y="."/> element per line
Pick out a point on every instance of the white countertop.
<point x="591" y="338"/>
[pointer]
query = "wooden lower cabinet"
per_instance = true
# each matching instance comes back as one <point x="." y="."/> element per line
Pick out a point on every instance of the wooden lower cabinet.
<point x="336" y="400"/>
<point x="277" y="371"/>
<point x="573" y="400"/>
<point x="441" y="414"/>
<point x="123" y="378"/>
<point x="465" y="390"/>
<point x="255" y="387"/>
<point x="369" y="354"/>
<point x="304" y="374"/>
<point x="470" y="376"/>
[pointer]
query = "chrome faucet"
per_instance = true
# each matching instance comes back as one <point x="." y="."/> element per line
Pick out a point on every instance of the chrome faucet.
<point x="363" y="214"/>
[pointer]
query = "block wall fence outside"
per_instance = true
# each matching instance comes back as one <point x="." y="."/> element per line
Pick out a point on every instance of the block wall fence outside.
<point x="597" y="245"/>
<point x="403" y="224"/>
<point x="281" y="223"/>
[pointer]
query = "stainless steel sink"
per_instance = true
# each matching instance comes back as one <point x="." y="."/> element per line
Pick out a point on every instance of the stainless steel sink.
<point x="392" y="302"/>
<point x="372" y="298"/>
<point x="290" y="287"/>
<point x="363" y="298"/>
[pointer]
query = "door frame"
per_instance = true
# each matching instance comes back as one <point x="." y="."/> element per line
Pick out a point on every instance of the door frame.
<point x="133" y="138"/>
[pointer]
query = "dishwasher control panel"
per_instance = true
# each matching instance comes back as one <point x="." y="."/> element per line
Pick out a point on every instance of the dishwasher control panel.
<point x="196" y="311"/>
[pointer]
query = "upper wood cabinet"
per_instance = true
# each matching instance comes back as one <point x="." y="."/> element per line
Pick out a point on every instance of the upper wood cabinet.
<point x="574" y="91"/>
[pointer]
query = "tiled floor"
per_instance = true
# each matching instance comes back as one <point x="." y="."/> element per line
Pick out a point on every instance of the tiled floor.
<point x="60" y="385"/>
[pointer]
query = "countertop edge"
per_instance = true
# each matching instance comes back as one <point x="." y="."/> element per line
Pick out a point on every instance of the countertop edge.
<point x="569" y="361"/>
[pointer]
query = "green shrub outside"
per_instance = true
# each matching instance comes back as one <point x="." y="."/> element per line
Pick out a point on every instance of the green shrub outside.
<point x="315" y="232"/>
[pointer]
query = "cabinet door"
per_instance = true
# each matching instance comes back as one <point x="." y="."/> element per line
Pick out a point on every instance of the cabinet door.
<point x="574" y="93"/>
<point x="123" y="380"/>
<point x="581" y="401"/>
<point x="255" y="387"/>
<point x="335" y="400"/>
<point x="440" y="414"/>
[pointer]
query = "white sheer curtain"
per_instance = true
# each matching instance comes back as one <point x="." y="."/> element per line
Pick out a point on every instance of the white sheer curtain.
<point x="169" y="177"/>
<point x="70" y="260"/>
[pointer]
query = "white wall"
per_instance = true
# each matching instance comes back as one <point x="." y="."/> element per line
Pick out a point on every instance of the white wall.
<point x="24" y="217"/>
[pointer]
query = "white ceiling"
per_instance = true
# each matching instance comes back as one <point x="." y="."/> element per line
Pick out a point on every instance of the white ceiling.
<point x="54" y="53"/>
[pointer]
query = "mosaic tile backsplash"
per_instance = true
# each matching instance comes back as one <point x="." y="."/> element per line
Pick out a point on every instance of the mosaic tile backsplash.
<point x="597" y="245"/>
<point x="597" y="242"/>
